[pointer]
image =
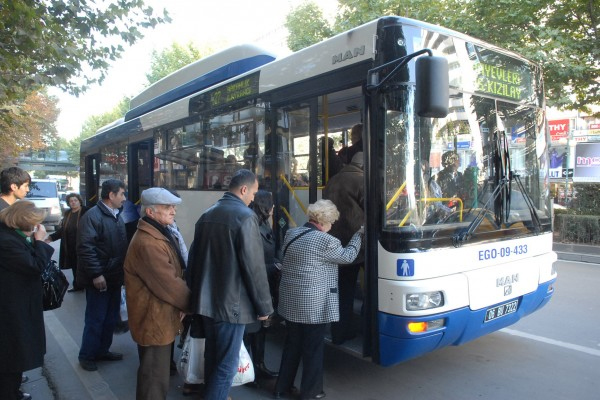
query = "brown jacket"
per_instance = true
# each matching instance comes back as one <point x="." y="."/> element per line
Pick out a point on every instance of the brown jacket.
<point x="156" y="291"/>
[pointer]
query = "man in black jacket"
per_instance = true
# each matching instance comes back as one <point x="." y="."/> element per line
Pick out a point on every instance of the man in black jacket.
<point x="101" y="248"/>
<point x="227" y="276"/>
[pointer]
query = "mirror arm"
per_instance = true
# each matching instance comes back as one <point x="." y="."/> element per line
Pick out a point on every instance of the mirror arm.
<point x="373" y="76"/>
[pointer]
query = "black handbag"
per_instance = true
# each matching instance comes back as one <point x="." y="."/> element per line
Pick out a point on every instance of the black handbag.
<point x="54" y="286"/>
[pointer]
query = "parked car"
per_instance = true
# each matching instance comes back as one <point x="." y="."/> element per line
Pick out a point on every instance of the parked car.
<point x="44" y="193"/>
<point x="63" y="200"/>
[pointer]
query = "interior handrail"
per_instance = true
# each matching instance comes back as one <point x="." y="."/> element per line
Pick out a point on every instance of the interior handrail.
<point x="434" y="199"/>
<point x="395" y="196"/>
<point x="291" y="189"/>
<point x="289" y="217"/>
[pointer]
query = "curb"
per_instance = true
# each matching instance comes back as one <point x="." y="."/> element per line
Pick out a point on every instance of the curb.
<point x="577" y="252"/>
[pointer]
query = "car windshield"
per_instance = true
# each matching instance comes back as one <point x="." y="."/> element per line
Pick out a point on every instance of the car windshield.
<point x="42" y="189"/>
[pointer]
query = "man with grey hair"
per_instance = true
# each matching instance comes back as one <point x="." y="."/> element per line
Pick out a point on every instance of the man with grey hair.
<point x="346" y="191"/>
<point x="157" y="295"/>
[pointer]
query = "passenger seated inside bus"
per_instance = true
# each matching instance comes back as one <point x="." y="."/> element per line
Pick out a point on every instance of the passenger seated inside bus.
<point x="436" y="210"/>
<point x="449" y="178"/>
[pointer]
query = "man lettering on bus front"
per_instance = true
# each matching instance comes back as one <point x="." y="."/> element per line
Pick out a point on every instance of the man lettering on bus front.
<point x="101" y="248"/>
<point x="227" y="276"/>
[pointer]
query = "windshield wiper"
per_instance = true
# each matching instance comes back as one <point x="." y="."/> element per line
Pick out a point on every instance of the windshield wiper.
<point x="534" y="215"/>
<point x="460" y="238"/>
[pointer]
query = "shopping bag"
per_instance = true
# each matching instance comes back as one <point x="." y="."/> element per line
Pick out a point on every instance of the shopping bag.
<point x="54" y="286"/>
<point x="123" y="309"/>
<point x="191" y="362"/>
<point x="245" y="372"/>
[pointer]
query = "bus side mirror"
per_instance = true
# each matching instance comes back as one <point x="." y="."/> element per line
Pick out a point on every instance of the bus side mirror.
<point x="432" y="91"/>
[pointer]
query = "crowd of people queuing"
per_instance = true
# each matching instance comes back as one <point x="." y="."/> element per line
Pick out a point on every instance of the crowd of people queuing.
<point x="235" y="278"/>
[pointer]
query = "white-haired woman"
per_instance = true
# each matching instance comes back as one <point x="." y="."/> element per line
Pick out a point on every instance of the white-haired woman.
<point x="308" y="296"/>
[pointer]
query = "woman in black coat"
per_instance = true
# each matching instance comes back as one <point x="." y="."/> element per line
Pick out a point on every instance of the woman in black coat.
<point x="255" y="332"/>
<point x="24" y="257"/>
<point x="67" y="258"/>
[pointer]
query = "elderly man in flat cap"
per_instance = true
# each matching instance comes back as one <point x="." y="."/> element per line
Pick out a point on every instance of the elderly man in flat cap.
<point x="157" y="295"/>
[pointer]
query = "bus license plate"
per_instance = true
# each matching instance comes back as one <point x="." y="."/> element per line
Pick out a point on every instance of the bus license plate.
<point x="501" y="310"/>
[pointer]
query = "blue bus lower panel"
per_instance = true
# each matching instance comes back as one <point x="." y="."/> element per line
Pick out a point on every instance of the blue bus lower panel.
<point x="397" y="344"/>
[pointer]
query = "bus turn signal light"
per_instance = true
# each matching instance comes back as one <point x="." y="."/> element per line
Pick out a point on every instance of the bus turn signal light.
<point x="419" y="327"/>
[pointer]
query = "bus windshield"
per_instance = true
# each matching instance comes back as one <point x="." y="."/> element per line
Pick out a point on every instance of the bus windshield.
<point x="482" y="168"/>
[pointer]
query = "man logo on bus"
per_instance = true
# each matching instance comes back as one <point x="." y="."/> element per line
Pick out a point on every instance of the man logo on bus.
<point x="405" y="267"/>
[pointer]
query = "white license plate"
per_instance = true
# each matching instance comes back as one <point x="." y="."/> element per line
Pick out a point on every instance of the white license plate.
<point x="501" y="310"/>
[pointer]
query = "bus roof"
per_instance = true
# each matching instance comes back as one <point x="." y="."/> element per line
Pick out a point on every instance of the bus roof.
<point x="198" y="75"/>
<point x="344" y="49"/>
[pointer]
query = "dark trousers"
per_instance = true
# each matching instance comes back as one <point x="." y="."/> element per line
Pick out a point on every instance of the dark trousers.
<point x="342" y="330"/>
<point x="10" y="382"/>
<point x="153" y="373"/>
<point x="74" y="269"/>
<point x="303" y="342"/>
<point x="101" y="316"/>
<point x="221" y="356"/>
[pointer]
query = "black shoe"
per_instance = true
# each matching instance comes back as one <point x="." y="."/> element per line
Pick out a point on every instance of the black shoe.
<point x="319" y="396"/>
<point x="121" y="327"/>
<point x="341" y="340"/>
<point x="110" y="356"/>
<point x="192" y="388"/>
<point x="293" y="391"/>
<point x="25" y="396"/>
<point x="262" y="371"/>
<point x="75" y="289"/>
<point x="88" y="365"/>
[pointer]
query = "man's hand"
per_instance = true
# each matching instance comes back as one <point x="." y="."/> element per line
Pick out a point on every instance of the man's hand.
<point x="100" y="283"/>
<point x="263" y="318"/>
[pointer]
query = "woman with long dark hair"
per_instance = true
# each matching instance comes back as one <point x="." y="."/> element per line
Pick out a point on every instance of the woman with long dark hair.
<point x="255" y="333"/>
<point x="67" y="233"/>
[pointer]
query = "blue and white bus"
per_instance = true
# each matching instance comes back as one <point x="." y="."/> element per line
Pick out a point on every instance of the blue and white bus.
<point x="458" y="216"/>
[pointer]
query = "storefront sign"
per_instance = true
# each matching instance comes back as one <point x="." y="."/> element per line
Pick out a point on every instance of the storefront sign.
<point x="559" y="129"/>
<point x="587" y="162"/>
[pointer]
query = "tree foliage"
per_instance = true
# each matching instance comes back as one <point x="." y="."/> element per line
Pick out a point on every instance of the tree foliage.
<point x="65" y="43"/>
<point x="561" y="35"/>
<point x="32" y="128"/>
<point x="307" y="26"/>
<point x="171" y="59"/>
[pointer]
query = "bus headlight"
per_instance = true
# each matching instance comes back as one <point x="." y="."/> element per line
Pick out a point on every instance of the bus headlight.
<point x="55" y="210"/>
<point x="424" y="301"/>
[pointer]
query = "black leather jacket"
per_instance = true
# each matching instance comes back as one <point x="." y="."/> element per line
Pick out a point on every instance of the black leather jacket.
<point x="101" y="247"/>
<point x="226" y="267"/>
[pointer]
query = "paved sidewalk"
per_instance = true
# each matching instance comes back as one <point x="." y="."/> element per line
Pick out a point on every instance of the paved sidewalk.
<point x="577" y="252"/>
<point x="40" y="389"/>
<point x="37" y="385"/>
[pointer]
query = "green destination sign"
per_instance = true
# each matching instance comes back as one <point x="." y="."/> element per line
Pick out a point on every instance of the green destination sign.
<point x="499" y="81"/>
<point x="226" y="94"/>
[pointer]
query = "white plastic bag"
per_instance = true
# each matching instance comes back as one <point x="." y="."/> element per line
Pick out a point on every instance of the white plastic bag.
<point x="123" y="310"/>
<point x="191" y="362"/>
<point x="245" y="372"/>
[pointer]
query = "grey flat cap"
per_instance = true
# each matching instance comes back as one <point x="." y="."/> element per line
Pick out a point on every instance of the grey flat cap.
<point x="157" y="195"/>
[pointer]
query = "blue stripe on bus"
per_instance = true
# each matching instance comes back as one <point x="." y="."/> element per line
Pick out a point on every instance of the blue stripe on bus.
<point x="110" y="135"/>
<point x="202" y="82"/>
<point x="396" y="344"/>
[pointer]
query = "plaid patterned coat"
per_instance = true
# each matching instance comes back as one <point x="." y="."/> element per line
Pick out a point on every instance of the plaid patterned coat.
<point x="308" y="292"/>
